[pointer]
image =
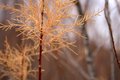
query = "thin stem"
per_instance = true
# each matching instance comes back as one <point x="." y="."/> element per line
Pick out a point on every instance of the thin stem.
<point x="24" y="67"/>
<point x="107" y="16"/>
<point x="22" y="73"/>
<point x="41" y="37"/>
<point x="88" y="52"/>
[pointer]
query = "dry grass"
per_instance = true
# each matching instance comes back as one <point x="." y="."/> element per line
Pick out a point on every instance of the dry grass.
<point x="27" y="20"/>
<point x="16" y="62"/>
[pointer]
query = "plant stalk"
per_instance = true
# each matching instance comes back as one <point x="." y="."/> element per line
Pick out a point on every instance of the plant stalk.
<point x="41" y="37"/>
<point x="107" y="16"/>
<point x="88" y="52"/>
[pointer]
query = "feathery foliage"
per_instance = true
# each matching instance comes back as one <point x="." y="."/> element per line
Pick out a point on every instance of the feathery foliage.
<point x="27" y="21"/>
<point x="16" y="62"/>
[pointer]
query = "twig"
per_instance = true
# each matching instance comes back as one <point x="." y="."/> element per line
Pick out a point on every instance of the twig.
<point x="107" y="16"/>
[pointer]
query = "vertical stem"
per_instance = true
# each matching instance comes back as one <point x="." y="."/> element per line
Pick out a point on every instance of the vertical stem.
<point x="88" y="53"/>
<point x="22" y="73"/>
<point x="107" y="16"/>
<point x="24" y="68"/>
<point x="41" y="37"/>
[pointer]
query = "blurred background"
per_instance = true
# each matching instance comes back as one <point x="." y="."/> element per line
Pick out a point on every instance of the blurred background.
<point x="95" y="59"/>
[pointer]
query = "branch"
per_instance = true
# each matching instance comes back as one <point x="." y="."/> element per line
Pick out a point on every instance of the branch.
<point x="89" y="54"/>
<point x="107" y="16"/>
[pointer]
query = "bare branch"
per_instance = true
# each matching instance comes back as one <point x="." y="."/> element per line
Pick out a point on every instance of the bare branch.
<point x="107" y="17"/>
